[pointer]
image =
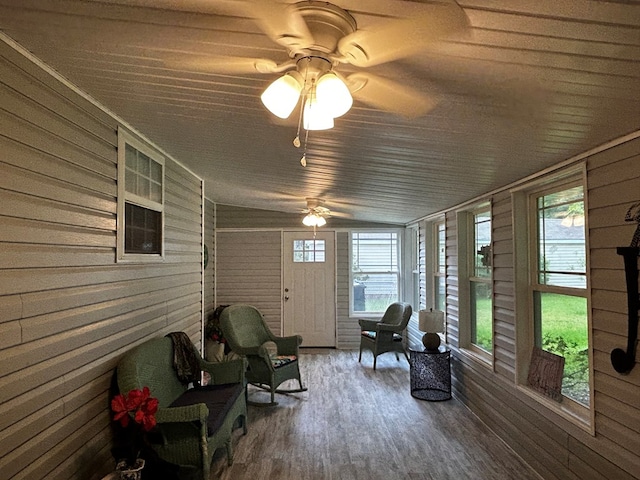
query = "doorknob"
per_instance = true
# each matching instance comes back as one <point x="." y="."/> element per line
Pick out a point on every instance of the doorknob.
<point x="286" y="297"/>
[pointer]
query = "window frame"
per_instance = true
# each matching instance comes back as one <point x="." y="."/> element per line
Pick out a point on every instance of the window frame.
<point x="526" y="255"/>
<point x="125" y="138"/>
<point x="466" y="276"/>
<point x="439" y="270"/>
<point x="399" y="273"/>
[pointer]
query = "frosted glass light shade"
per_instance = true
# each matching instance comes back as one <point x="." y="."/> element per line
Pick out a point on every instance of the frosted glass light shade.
<point x="333" y="95"/>
<point x="281" y="97"/>
<point x="314" y="220"/>
<point x="315" y="117"/>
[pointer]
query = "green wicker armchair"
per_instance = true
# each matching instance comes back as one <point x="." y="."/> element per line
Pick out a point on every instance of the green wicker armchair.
<point x="385" y="335"/>
<point x="192" y="423"/>
<point x="248" y="335"/>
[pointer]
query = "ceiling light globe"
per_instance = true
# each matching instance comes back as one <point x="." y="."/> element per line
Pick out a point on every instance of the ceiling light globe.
<point x="314" y="220"/>
<point x="315" y="117"/>
<point x="281" y="97"/>
<point x="333" y="94"/>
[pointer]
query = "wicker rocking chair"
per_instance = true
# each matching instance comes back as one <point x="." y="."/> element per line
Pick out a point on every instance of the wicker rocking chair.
<point x="248" y="335"/>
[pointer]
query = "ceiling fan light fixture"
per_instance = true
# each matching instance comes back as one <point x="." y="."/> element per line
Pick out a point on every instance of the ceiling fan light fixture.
<point x="333" y="94"/>
<point x="315" y="115"/>
<point x="281" y="97"/>
<point x="314" y="220"/>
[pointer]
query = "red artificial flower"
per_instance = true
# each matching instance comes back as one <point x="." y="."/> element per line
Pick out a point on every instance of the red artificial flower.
<point x="121" y="409"/>
<point x="140" y="404"/>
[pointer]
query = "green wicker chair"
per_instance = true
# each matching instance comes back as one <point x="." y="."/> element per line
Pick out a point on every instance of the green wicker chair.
<point x="248" y="335"/>
<point x="192" y="423"/>
<point x="385" y="335"/>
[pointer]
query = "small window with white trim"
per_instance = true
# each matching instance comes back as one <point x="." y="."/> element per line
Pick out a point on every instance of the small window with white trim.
<point x="140" y="200"/>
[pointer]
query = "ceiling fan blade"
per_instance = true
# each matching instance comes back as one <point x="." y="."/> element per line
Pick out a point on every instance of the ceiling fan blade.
<point x="282" y="23"/>
<point x="388" y="95"/>
<point x="221" y="64"/>
<point x="400" y="38"/>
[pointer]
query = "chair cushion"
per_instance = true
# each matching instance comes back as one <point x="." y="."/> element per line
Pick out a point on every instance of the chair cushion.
<point x="372" y="335"/>
<point x="281" y="360"/>
<point x="218" y="398"/>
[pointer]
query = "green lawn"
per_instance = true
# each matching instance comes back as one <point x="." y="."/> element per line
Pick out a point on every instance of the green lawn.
<point x="564" y="332"/>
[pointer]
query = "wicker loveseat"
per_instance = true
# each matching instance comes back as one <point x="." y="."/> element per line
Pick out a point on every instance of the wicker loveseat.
<point x="192" y="423"/>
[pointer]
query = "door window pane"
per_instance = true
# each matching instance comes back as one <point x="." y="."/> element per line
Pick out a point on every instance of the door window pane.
<point x="308" y="251"/>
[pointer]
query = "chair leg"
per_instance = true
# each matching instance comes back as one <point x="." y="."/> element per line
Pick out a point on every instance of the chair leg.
<point x="229" y="449"/>
<point x="374" y="361"/>
<point x="360" y="356"/>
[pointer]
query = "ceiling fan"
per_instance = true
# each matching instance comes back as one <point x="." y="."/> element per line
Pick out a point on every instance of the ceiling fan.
<point x="320" y="36"/>
<point x="316" y="213"/>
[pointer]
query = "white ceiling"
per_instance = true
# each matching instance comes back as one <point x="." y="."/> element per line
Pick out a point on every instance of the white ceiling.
<point x="534" y="82"/>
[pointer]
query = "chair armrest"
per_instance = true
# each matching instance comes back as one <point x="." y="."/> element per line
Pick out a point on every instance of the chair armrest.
<point x="231" y="371"/>
<point x="288" y="345"/>
<point x="198" y="412"/>
<point x="371" y="325"/>
<point x="389" y="327"/>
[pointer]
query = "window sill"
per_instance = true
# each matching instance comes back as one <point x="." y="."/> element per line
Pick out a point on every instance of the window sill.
<point x="477" y="355"/>
<point x="142" y="258"/>
<point x="573" y="412"/>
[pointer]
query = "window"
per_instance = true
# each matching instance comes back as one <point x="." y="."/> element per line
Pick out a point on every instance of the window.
<point x="439" y="270"/>
<point x="559" y="284"/>
<point x="480" y="282"/>
<point x="140" y="200"/>
<point x="308" y="251"/>
<point x="375" y="273"/>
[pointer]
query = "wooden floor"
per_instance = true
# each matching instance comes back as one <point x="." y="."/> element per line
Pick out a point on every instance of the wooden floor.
<point x="358" y="424"/>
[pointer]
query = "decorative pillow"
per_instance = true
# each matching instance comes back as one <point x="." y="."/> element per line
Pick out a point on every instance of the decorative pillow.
<point x="280" y="360"/>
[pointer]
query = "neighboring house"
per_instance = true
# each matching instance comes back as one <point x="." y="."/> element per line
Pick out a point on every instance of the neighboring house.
<point x="69" y="309"/>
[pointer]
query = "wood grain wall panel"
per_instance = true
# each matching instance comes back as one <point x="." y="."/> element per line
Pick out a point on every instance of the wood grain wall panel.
<point x="22" y="281"/>
<point x="209" y="272"/>
<point x="31" y="143"/>
<point x="20" y="105"/>
<point x="68" y="311"/>
<point x="347" y="328"/>
<point x="42" y="186"/>
<point x="249" y="270"/>
<point x="10" y="308"/>
<point x="556" y="447"/>
<point x="22" y="206"/>
<point x="96" y="175"/>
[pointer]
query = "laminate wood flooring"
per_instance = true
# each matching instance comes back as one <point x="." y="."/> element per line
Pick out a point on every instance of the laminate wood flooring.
<point x="357" y="424"/>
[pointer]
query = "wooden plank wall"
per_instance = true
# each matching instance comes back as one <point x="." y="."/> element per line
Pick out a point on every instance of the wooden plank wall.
<point x="209" y="272"/>
<point x="249" y="270"/>
<point x="555" y="447"/>
<point x="67" y="311"/>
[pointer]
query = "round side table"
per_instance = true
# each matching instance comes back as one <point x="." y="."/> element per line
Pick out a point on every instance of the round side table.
<point x="430" y="373"/>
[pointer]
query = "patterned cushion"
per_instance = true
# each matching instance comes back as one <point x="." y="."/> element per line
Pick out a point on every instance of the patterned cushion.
<point x="280" y="360"/>
<point x="372" y="335"/>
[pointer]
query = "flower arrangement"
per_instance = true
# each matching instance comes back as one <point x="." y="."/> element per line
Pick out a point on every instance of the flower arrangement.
<point x="136" y="413"/>
<point x="212" y="329"/>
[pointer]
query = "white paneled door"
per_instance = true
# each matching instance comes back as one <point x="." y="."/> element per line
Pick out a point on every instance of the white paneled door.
<point x="309" y="287"/>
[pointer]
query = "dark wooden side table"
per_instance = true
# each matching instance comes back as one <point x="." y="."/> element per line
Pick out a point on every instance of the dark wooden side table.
<point x="430" y="373"/>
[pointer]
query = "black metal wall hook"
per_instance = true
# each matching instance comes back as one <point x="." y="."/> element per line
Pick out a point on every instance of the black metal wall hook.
<point x="623" y="361"/>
